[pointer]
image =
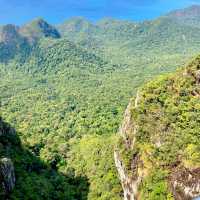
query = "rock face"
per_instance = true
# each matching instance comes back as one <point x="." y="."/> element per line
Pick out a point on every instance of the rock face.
<point x="7" y="175"/>
<point x="185" y="183"/>
<point x="130" y="182"/>
<point x="157" y="155"/>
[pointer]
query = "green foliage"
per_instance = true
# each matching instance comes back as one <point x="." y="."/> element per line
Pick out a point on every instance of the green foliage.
<point x="167" y="117"/>
<point x="34" y="178"/>
<point x="101" y="172"/>
<point x="155" y="187"/>
<point x="48" y="110"/>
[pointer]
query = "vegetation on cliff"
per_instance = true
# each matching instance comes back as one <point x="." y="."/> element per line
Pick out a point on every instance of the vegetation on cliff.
<point x="166" y="133"/>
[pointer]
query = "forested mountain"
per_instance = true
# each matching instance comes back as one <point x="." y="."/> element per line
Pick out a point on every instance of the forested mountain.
<point x="64" y="89"/>
<point x="112" y="37"/>
<point x="17" y="42"/>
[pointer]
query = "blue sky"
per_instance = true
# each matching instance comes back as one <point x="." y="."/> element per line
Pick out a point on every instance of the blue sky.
<point x="55" y="11"/>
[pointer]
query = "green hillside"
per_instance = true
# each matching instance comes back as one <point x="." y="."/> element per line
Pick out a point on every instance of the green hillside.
<point x="188" y="16"/>
<point x="125" y="41"/>
<point x="59" y="95"/>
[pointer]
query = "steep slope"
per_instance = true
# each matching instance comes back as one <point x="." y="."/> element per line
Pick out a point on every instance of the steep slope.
<point x="37" y="47"/>
<point x="158" y="155"/>
<point x="7" y="174"/>
<point x="17" y="42"/>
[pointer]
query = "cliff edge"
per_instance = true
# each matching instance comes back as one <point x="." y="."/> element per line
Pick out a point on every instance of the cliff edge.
<point x="158" y="152"/>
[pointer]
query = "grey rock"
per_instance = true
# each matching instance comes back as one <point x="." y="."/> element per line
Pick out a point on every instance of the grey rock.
<point x="7" y="175"/>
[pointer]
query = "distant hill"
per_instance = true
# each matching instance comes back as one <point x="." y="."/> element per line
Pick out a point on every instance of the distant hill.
<point x="77" y="25"/>
<point x="176" y="32"/>
<point x="53" y="55"/>
<point x="189" y="16"/>
<point x="117" y="38"/>
<point x="12" y="43"/>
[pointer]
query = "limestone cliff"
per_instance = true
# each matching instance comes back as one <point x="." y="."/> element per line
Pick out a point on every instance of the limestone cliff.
<point x="158" y="153"/>
<point x="130" y="181"/>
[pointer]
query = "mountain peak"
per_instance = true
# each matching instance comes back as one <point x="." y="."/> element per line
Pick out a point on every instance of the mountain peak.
<point x="39" y="28"/>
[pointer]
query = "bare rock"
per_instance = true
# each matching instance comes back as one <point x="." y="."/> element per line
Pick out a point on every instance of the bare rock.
<point x="185" y="183"/>
<point x="7" y="175"/>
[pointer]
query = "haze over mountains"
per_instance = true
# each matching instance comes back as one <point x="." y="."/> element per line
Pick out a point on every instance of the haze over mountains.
<point x="64" y="89"/>
<point x="176" y="31"/>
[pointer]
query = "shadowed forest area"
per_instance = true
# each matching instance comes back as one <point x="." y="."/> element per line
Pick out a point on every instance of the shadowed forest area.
<point x="34" y="178"/>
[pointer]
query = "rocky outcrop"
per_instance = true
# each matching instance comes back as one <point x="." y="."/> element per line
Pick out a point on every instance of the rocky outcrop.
<point x="185" y="183"/>
<point x="127" y="128"/>
<point x="129" y="181"/>
<point x="7" y="175"/>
